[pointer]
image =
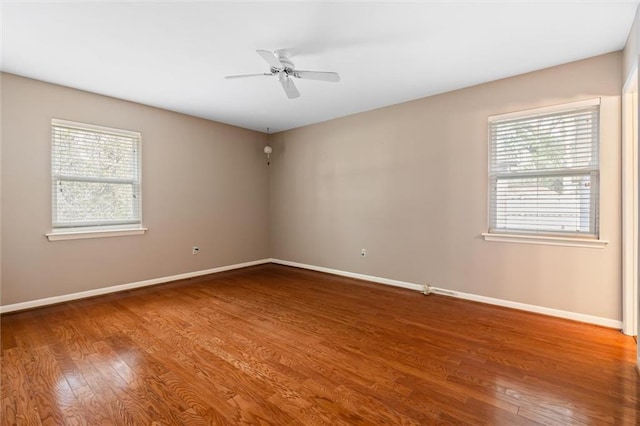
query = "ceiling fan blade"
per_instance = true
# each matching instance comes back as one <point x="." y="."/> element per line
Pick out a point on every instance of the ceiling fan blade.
<point x="229" y="77"/>
<point x="289" y="88"/>
<point x="318" y="75"/>
<point x="270" y="57"/>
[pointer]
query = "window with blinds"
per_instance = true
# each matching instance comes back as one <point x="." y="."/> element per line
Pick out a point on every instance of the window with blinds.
<point x="544" y="171"/>
<point x="95" y="176"/>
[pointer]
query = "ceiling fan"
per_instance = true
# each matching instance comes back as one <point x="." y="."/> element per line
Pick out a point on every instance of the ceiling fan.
<point x="280" y="65"/>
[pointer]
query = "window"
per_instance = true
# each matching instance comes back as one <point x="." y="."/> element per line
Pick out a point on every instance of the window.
<point x="95" y="177"/>
<point x="544" y="171"/>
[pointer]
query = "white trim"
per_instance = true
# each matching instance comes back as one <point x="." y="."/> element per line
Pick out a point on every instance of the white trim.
<point x="545" y="110"/>
<point x="113" y="289"/>
<point x="80" y="235"/>
<point x="546" y="240"/>
<point x="379" y="280"/>
<point x="94" y="127"/>
<point x="630" y="205"/>
<point x="575" y="316"/>
<point x="590" y="319"/>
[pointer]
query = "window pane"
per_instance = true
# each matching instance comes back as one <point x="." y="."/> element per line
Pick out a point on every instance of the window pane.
<point x="87" y="203"/>
<point x="552" y="142"/>
<point x="554" y="203"/>
<point x="84" y="153"/>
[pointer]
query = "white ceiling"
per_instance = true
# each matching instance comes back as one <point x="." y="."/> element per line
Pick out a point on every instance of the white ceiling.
<point x="174" y="55"/>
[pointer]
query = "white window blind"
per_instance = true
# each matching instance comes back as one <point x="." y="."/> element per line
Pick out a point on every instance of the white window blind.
<point x="95" y="176"/>
<point x="544" y="171"/>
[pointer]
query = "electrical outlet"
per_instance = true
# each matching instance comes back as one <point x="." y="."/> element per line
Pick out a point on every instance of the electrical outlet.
<point x="195" y="250"/>
<point x="363" y="252"/>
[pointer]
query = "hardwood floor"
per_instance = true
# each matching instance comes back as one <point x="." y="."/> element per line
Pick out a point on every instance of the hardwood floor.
<point x="278" y="345"/>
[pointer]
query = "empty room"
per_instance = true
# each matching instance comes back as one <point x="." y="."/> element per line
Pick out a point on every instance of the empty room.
<point x="319" y="213"/>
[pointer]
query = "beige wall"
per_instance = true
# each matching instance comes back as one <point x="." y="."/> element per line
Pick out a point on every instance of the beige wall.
<point x="409" y="184"/>
<point x="204" y="184"/>
<point x="406" y="182"/>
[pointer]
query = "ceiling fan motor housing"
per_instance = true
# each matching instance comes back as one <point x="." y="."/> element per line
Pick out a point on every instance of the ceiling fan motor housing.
<point x="287" y="64"/>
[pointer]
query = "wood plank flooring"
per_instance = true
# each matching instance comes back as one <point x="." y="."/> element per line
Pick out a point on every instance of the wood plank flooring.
<point x="278" y="345"/>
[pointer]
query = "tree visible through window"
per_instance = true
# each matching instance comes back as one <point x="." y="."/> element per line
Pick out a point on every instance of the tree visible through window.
<point x="95" y="176"/>
<point x="544" y="171"/>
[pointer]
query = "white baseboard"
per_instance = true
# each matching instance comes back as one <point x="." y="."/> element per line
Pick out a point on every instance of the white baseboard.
<point x="386" y="281"/>
<point x="590" y="319"/>
<point x="605" y="322"/>
<point x="113" y="289"/>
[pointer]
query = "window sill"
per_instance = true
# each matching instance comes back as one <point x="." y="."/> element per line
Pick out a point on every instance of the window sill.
<point x="546" y="240"/>
<point x="103" y="233"/>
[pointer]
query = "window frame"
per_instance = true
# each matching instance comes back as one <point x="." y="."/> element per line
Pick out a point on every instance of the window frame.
<point x="81" y="230"/>
<point x="549" y="237"/>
